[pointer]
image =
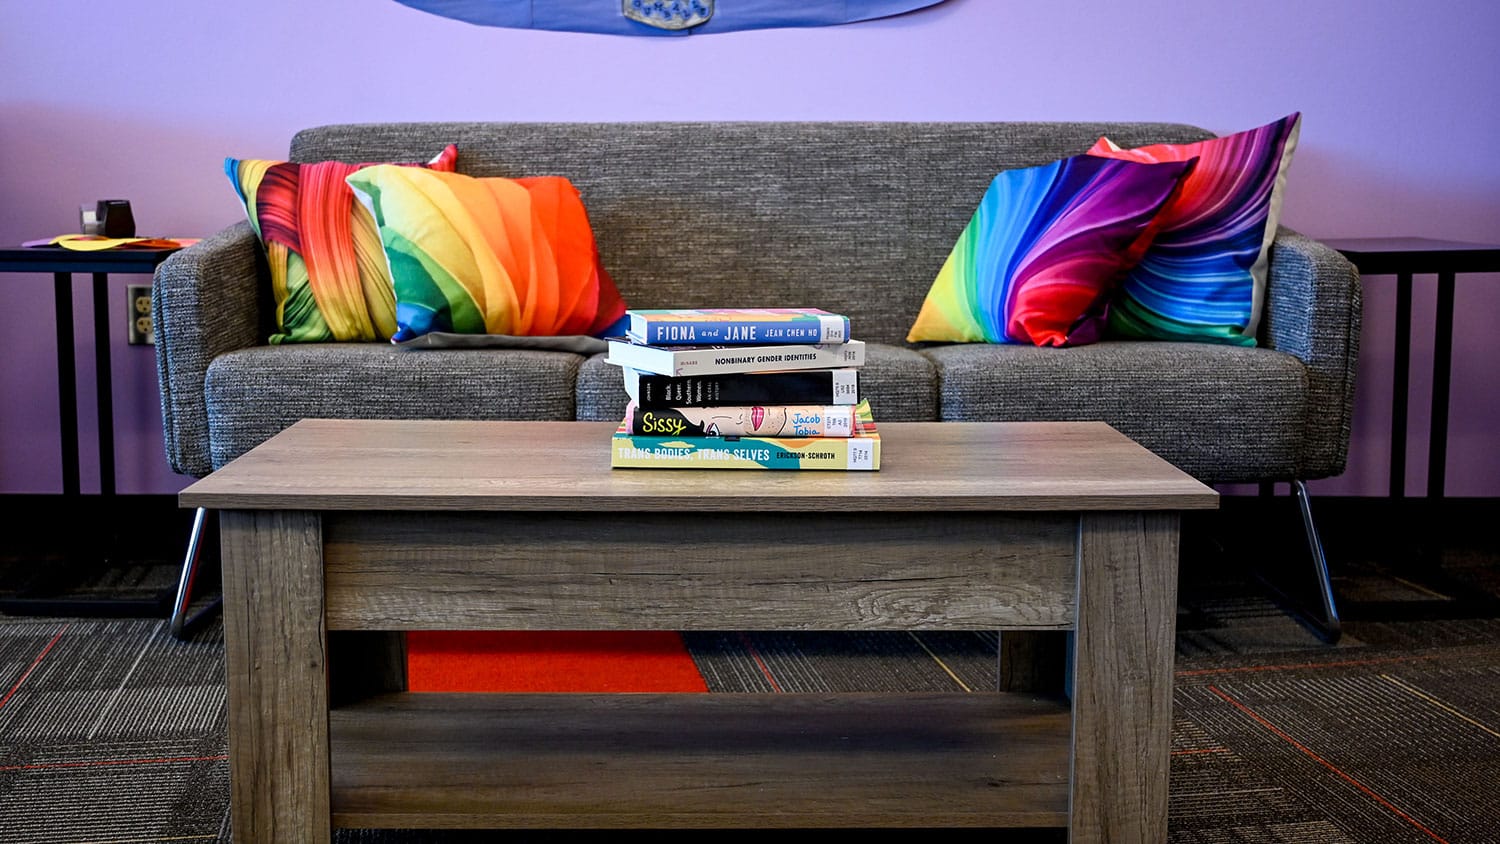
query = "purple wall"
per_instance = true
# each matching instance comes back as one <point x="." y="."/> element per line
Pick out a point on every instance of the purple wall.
<point x="139" y="101"/>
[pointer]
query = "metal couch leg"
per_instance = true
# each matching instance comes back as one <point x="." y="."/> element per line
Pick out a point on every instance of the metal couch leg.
<point x="181" y="622"/>
<point x="1324" y="619"/>
<point x="1330" y="624"/>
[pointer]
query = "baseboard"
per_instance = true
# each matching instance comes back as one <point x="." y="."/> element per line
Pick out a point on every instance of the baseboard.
<point x="1361" y="520"/>
<point x="140" y="528"/>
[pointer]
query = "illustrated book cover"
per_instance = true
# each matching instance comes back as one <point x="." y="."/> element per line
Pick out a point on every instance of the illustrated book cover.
<point x="860" y="452"/>
<point x="773" y="420"/>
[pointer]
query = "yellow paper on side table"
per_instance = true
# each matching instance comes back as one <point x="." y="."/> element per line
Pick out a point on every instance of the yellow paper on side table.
<point x="97" y="243"/>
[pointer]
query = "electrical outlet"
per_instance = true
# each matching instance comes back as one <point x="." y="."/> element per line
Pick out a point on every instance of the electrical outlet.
<point x="138" y="309"/>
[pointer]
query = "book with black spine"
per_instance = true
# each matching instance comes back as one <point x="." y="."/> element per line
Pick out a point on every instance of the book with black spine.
<point x="807" y="386"/>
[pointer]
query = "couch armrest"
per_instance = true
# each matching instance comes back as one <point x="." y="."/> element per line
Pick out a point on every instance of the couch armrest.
<point x="1313" y="311"/>
<point x="206" y="300"/>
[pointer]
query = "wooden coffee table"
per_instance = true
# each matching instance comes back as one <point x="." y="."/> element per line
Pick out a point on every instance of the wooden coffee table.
<point x="339" y="535"/>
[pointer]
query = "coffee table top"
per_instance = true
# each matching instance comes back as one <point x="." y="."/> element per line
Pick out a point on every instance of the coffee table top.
<point x="325" y="464"/>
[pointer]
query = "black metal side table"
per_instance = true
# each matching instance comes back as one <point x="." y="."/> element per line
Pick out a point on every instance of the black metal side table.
<point x="1404" y="257"/>
<point x="63" y="263"/>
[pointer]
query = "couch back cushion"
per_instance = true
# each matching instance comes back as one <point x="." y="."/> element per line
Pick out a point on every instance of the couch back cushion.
<point x="853" y="217"/>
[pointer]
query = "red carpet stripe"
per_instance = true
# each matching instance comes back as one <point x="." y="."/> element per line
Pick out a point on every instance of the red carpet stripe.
<point x="1325" y="763"/>
<point x="32" y="667"/>
<point x="765" y="670"/>
<point x="550" y="661"/>
<point x="95" y="763"/>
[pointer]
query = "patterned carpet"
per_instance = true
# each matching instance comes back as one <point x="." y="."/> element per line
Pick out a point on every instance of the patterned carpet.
<point x="113" y="731"/>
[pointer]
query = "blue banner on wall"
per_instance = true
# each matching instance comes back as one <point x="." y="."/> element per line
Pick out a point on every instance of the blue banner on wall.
<point x="663" y="17"/>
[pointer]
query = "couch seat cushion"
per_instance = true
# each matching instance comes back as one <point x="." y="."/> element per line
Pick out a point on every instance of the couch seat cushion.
<point x="254" y="393"/>
<point x="900" y="383"/>
<point x="1220" y="413"/>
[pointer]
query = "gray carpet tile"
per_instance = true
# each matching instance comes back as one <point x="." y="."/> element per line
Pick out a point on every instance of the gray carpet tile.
<point x="113" y="731"/>
<point x="110" y="730"/>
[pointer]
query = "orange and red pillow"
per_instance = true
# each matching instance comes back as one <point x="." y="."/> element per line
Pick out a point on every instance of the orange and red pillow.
<point x="329" y="276"/>
<point x="489" y="256"/>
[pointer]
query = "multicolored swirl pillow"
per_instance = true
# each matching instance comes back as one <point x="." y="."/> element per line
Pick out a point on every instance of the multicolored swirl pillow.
<point x="1040" y="257"/>
<point x="1204" y="276"/>
<point x="328" y="273"/>
<point x="474" y="255"/>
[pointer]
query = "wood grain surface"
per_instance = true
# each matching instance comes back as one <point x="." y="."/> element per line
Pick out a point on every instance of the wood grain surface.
<point x="275" y="657"/>
<point x="701" y="571"/>
<point x="1122" y="676"/>
<point x="580" y="761"/>
<point x="321" y="464"/>
<point x="371" y="528"/>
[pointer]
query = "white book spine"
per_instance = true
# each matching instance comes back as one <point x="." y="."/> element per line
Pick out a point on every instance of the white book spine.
<point x="666" y="360"/>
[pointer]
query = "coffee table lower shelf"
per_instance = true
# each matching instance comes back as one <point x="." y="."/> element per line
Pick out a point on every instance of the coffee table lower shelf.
<point x="692" y="760"/>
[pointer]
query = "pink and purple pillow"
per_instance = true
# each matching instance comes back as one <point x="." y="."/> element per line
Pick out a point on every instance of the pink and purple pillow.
<point x="1204" y="276"/>
<point x="1041" y="255"/>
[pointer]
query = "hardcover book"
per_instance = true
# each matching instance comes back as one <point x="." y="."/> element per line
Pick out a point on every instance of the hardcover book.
<point x="711" y="360"/>
<point x="808" y="386"/>
<point x="774" y="420"/>
<point x="735" y="326"/>
<point x="858" y="453"/>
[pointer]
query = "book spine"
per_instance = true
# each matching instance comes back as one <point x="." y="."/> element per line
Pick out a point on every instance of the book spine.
<point x="665" y="360"/>
<point x="742" y="421"/>
<point x="860" y="452"/>
<point x="666" y="330"/>
<point x="812" y="386"/>
<point x="630" y="451"/>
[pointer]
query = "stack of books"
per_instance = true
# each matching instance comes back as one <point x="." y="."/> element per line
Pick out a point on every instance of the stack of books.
<point x="742" y="388"/>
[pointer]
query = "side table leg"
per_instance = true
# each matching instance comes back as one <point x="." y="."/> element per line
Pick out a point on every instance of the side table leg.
<point x="1400" y="385"/>
<point x="104" y="396"/>
<point x="1442" y="372"/>
<point x="1122" y="676"/>
<point x="67" y="384"/>
<point x="277" y="676"/>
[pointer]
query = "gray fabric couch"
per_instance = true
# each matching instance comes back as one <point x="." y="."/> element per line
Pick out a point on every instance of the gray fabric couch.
<point x="852" y="217"/>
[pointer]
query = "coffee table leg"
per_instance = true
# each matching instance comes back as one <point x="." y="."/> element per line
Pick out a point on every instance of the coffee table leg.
<point x="1033" y="661"/>
<point x="1122" y="680"/>
<point x="363" y="663"/>
<point x="275" y="661"/>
